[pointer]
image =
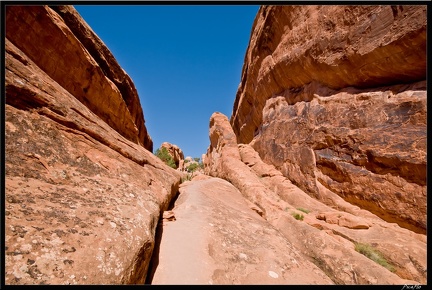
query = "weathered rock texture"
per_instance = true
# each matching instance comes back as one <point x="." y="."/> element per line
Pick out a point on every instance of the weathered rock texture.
<point x="82" y="199"/>
<point x="217" y="238"/>
<point x="61" y="43"/>
<point x="335" y="98"/>
<point x="175" y="152"/>
<point x="326" y="235"/>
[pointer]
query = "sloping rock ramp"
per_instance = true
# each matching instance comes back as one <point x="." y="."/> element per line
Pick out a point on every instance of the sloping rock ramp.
<point x="217" y="238"/>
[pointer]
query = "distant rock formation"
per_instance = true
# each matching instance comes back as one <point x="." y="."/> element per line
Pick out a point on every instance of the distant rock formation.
<point x="83" y="193"/>
<point x="324" y="235"/>
<point x="335" y="98"/>
<point x="175" y="152"/>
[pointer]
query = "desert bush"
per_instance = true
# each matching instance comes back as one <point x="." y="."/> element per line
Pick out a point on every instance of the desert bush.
<point x="192" y="167"/>
<point x="298" y="216"/>
<point x="164" y="155"/>
<point x="188" y="177"/>
<point x="374" y="255"/>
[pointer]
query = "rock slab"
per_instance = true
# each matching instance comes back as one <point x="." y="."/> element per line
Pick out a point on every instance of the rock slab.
<point x="83" y="196"/>
<point x="218" y="239"/>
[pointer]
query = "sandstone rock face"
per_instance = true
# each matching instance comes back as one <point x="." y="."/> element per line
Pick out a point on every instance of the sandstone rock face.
<point x="90" y="72"/>
<point x="175" y="152"/>
<point x="217" y="239"/>
<point x="324" y="235"/>
<point x="82" y="201"/>
<point x="335" y="98"/>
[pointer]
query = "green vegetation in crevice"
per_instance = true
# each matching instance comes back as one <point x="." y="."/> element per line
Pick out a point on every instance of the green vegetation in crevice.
<point x="297" y="216"/>
<point x="373" y="254"/>
<point x="193" y="166"/>
<point x="187" y="177"/>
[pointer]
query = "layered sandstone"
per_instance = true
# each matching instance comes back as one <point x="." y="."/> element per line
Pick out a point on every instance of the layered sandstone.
<point x="323" y="235"/>
<point x="82" y="200"/>
<point x="335" y="98"/>
<point x="89" y="72"/>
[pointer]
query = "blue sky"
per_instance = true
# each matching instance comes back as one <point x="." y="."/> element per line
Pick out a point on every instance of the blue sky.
<point x="185" y="61"/>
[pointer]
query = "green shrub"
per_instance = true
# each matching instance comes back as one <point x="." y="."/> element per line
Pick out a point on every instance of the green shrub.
<point x="303" y="210"/>
<point x="374" y="255"/>
<point x="192" y="167"/>
<point x="298" y="216"/>
<point x="164" y="155"/>
<point x="197" y="159"/>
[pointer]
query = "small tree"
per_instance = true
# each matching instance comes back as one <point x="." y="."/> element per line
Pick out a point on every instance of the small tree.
<point x="164" y="155"/>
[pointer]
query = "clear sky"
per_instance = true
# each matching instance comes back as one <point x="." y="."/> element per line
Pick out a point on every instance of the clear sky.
<point x="185" y="62"/>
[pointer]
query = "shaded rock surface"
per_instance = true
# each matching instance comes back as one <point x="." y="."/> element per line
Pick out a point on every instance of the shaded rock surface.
<point x="335" y="98"/>
<point x="324" y="235"/>
<point x="82" y="200"/>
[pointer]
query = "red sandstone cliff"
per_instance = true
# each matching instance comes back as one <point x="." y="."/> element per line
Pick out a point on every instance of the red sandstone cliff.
<point x="61" y="43"/>
<point x="335" y="97"/>
<point x="327" y="236"/>
<point x="83" y="193"/>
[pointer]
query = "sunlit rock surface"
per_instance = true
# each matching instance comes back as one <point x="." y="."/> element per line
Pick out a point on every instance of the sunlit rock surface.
<point x="334" y="97"/>
<point x="324" y="235"/>
<point x="83" y="194"/>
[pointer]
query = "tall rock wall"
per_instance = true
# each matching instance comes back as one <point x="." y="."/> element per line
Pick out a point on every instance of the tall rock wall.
<point x="327" y="236"/>
<point x="82" y="195"/>
<point x="61" y="43"/>
<point x="335" y="97"/>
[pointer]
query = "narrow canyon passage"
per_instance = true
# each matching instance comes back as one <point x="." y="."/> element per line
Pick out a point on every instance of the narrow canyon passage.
<point x="218" y="239"/>
<point x="318" y="174"/>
